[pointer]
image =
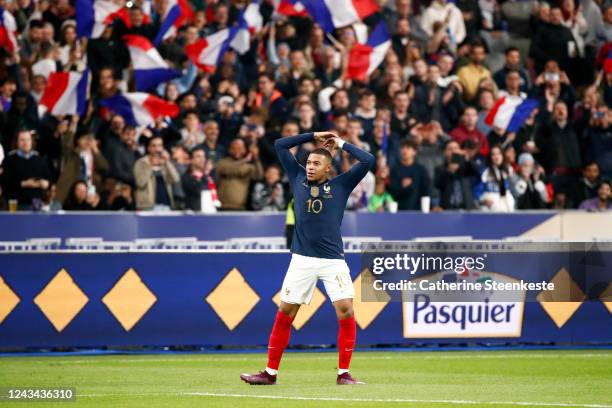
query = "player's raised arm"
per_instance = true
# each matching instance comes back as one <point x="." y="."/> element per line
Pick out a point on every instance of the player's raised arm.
<point x="359" y="170"/>
<point x="282" y="146"/>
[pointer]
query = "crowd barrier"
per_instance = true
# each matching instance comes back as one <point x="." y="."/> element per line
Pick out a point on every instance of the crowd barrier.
<point x="85" y="299"/>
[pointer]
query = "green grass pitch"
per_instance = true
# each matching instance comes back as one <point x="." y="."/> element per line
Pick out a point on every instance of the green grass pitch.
<point x="580" y="378"/>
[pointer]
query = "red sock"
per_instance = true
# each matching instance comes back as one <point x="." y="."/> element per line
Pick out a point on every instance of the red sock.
<point x="347" y="331"/>
<point x="279" y="338"/>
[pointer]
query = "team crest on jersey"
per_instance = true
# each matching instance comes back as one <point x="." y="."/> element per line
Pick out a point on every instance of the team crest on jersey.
<point x="314" y="191"/>
<point x="327" y="191"/>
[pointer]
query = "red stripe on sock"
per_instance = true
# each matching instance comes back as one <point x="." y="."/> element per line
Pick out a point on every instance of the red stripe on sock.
<point x="279" y="338"/>
<point x="347" y="332"/>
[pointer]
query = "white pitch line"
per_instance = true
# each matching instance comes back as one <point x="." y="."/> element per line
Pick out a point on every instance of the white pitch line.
<point x="332" y="399"/>
<point x="299" y="356"/>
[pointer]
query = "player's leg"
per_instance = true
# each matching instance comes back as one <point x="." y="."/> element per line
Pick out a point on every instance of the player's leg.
<point x="297" y="289"/>
<point x="339" y="287"/>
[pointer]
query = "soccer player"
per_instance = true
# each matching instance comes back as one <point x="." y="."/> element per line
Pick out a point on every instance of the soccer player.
<point x="317" y="250"/>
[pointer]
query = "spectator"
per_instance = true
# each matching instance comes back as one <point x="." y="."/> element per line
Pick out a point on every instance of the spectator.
<point x="454" y="179"/>
<point x="25" y="175"/>
<point x="121" y="154"/>
<point x="512" y="64"/>
<point x="270" y="99"/>
<point x="236" y="172"/>
<point x="598" y="137"/>
<point x="409" y="180"/>
<point x="586" y="187"/>
<point x="49" y="202"/>
<point x="552" y="42"/>
<point x="191" y="133"/>
<point x="269" y="194"/>
<point x="603" y="201"/>
<point x="471" y="75"/>
<point x="531" y="192"/>
<point x="155" y="176"/>
<point x="381" y="200"/>
<point x="401" y="121"/>
<point x="440" y="11"/>
<point x="81" y="198"/>
<point x="81" y="160"/>
<point x="467" y="130"/>
<point x="198" y="179"/>
<point x="495" y="190"/>
<point x="560" y="149"/>
<point x="213" y="149"/>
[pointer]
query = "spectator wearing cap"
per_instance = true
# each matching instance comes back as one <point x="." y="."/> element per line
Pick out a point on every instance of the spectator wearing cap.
<point x="472" y="74"/>
<point x="550" y="42"/>
<point x="531" y="192"/>
<point x="197" y="179"/>
<point x="81" y="160"/>
<point x="454" y="179"/>
<point x="467" y="130"/>
<point x="512" y="64"/>
<point x="235" y="174"/>
<point x="25" y="174"/>
<point x="409" y="181"/>
<point x="269" y="194"/>
<point x="586" y="187"/>
<point x="603" y="201"/>
<point x="155" y="176"/>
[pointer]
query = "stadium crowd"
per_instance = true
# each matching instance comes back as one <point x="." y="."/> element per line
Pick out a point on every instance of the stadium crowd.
<point x="427" y="112"/>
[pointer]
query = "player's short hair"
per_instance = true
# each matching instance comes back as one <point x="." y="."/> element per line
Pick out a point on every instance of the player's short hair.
<point x="322" y="152"/>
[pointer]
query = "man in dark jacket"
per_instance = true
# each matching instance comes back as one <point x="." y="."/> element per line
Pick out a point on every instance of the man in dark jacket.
<point x="197" y="179"/>
<point x="551" y="42"/>
<point x="26" y="174"/>
<point x="409" y="180"/>
<point x="454" y="179"/>
<point x="121" y="154"/>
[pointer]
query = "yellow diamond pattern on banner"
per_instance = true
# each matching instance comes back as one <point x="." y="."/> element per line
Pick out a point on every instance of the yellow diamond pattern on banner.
<point x="232" y="299"/>
<point x="366" y="308"/>
<point x="561" y="303"/>
<point x="129" y="300"/>
<point x="306" y="311"/>
<point x="8" y="300"/>
<point x="61" y="300"/>
<point x="605" y="297"/>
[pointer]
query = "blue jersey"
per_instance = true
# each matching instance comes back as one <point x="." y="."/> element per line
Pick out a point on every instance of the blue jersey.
<point x="319" y="208"/>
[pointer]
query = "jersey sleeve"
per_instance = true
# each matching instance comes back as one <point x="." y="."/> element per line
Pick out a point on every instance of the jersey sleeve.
<point x="288" y="160"/>
<point x="366" y="163"/>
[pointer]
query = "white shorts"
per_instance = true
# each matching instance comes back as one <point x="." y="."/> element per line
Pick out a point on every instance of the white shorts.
<point x="303" y="273"/>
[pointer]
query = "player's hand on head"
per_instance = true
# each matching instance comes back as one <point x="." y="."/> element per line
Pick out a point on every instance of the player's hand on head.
<point x="323" y="137"/>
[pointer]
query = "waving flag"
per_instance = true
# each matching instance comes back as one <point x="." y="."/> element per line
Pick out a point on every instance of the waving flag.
<point x="149" y="68"/>
<point x="66" y="93"/>
<point x="331" y="14"/>
<point x="510" y="112"/>
<point x="253" y="17"/>
<point x="207" y="53"/>
<point x="293" y="8"/>
<point x="140" y="108"/>
<point x="93" y="17"/>
<point x="8" y="28"/>
<point x="365" y="58"/>
<point x="177" y="13"/>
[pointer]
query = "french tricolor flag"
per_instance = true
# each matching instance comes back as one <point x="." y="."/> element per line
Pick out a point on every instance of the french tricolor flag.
<point x="66" y="93"/>
<point x="8" y="28"/>
<point x="149" y="68"/>
<point x="207" y="53"/>
<point x="293" y="8"/>
<point x="177" y="13"/>
<point x="331" y="14"/>
<point x="253" y="17"/>
<point x="365" y="58"/>
<point x="510" y="112"/>
<point x="93" y="17"/>
<point x="140" y="108"/>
